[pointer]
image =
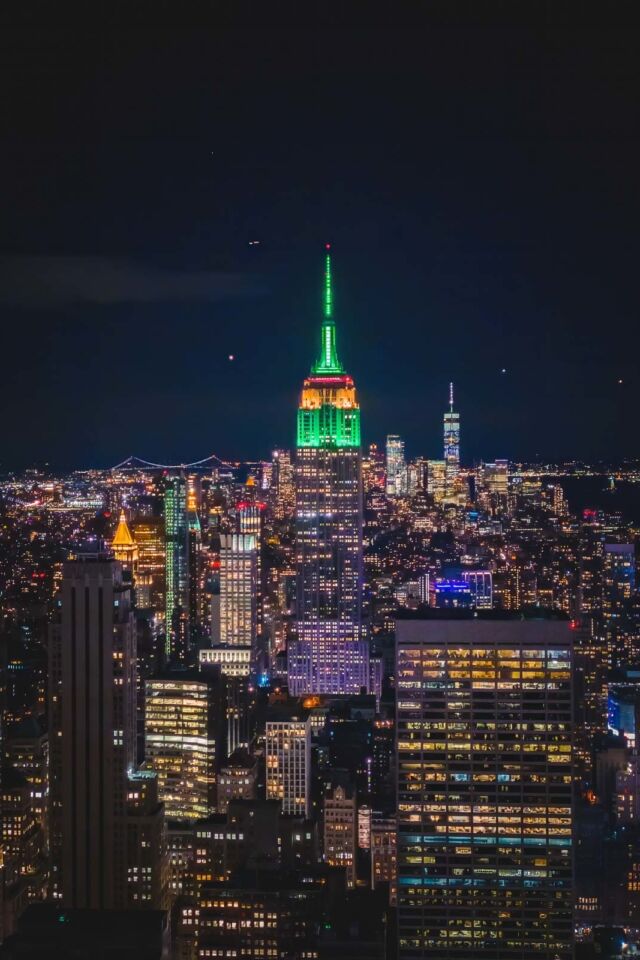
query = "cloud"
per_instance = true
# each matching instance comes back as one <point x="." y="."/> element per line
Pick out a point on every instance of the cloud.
<point x="54" y="281"/>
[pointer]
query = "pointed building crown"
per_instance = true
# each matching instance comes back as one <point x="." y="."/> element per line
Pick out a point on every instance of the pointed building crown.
<point x="123" y="536"/>
<point x="328" y="362"/>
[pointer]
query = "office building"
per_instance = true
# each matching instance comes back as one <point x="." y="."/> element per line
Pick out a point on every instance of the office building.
<point x="339" y="808"/>
<point x="437" y="479"/>
<point x="181" y="729"/>
<point x="481" y="585"/>
<point x="92" y="702"/>
<point x="260" y="914"/>
<point x="148" y="533"/>
<point x="451" y="443"/>
<point x="238" y="590"/>
<point x="384" y="854"/>
<point x="288" y="761"/>
<point x="484" y="788"/>
<point x="618" y="587"/>
<point x="331" y="653"/>
<point x="444" y="593"/>
<point x="396" y="467"/>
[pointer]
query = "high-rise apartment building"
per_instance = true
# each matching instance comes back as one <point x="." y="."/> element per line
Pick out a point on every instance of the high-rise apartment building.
<point x="396" y="467"/>
<point x="288" y="759"/>
<point x="92" y="702"/>
<point x="451" y="442"/>
<point x="331" y="653"/>
<point x="484" y="788"/>
<point x="181" y="728"/>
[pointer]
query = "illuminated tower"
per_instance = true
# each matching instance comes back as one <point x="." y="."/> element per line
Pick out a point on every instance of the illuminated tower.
<point x="194" y="544"/>
<point x="330" y="654"/>
<point x="124" y="546"/>
<point x="176" y="567"/>
<point x="451" y="440"/>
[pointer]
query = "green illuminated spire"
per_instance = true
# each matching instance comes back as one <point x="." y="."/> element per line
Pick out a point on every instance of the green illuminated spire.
<point x="328" y="362"/>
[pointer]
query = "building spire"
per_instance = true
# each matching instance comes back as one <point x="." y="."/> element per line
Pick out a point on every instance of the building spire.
<point x="328" y="362"/>
<point x="451" y="397"/>
<point x="328" y="293"/>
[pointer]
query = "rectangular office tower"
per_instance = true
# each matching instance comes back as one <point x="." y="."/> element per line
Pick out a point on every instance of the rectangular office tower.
<point x="484" y="788"/>
<point x="92" y="699"/>
<point x="181" y="727"/>
<point x="288" y="761"/>
<point x="331" y="654"/>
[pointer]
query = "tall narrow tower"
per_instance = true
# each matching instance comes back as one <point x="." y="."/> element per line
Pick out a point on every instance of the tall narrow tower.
<point x="451" y="441"/>
<point x="331" y="653"/>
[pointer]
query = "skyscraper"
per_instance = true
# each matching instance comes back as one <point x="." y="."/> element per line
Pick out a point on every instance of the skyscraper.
<point x="619" y="584"/>
<point x="484" y="788"/>
<point x="283" y="485"/>
<point x="176" y="566"/>
<point x="194" y="544"/>
<point x="288" y="760"/>
<point x="148" y="533"/>
<point x="396" y="466"/>
<point x="451" y="441"/>
<point x="180" y="732"/>
<point x="238" y="590"/>
<point x="331" y="653"/>
<point x="92" y="703"/>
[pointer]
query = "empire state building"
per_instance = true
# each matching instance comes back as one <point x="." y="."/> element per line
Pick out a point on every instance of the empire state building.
<point x="331" y="653"/>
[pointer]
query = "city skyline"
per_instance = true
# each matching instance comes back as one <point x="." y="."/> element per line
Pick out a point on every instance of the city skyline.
<point x="320" y="485"/>
<point x="472" y="241"/>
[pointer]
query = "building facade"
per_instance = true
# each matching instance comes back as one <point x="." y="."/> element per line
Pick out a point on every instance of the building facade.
<point x="331" y="652"/>
<point x="92" y="705"/>
<point x="288" y="755"/>
<point x="180" y="734"/>
<point x="451" y="442"/>
<point x="484" y="788"/>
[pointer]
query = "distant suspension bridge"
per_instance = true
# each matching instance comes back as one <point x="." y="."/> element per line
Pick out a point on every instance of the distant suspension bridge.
<point x="137" y="463"/>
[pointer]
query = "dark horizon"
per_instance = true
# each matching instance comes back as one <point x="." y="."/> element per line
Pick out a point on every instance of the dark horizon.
<point x="478" y="184"/>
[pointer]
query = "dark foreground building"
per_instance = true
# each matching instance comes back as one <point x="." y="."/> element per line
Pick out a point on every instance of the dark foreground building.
<point x="46" y="931"/>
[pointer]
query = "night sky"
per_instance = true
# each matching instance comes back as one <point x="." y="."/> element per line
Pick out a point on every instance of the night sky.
<point x="478" y="180"/>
